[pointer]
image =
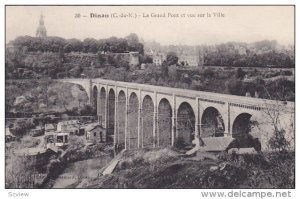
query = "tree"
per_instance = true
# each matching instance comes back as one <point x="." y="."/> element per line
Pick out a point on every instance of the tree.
<point x="73" y="45"/>
<point x="235" y="87"/>
<point x="208" y="73"/>
<point x="240" y="74"/>
<point x="171" y="58"/>
<point x="132" y="38"/>
<point x="21" y="126"/>
<point x="90" y="45"/>
<point x="101" y="59"/>
<point x="278" y="141"/>
<point x="164" y="70"/>
<point x="146" y="59"/>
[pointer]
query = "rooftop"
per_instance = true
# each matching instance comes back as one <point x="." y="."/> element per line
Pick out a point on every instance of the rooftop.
<point x="92" y="126"/>
<point x="30" y="151"/>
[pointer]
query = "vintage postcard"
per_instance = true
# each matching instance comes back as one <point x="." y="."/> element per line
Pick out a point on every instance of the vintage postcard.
<point x="150" y="97"/>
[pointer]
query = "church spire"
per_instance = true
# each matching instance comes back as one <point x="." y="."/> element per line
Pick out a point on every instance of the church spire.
<point x="41" y="19"/>
<point x="41" y="30"/>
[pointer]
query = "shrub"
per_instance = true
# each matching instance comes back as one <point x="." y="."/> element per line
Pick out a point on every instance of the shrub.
<point x="278" y="142"/>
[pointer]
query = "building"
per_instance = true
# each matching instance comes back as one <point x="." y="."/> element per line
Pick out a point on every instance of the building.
<point x="134" y="59"/>
<point x="158" y="59"/>
<point x="143" y="66"/>
<point x="61" y="139"/>
<point x="41" y="30"/>
<point x="95" y="133"/>
<point x="50" y="128"/>
<point x="71" y="127"/>
<point x="242" y="51"/>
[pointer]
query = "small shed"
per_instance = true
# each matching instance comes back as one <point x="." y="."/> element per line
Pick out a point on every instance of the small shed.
<point x="95" y="133"/>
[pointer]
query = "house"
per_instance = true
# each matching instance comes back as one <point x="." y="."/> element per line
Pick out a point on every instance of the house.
<point x="95" y="133"/>
<point x="50" y="137"/>
<point x="158" y="59"/>
<point x="143" y="66"/>
<point x="61" y="139"/>
<point x="71" y="127"/>
<point x="50" y="128"/>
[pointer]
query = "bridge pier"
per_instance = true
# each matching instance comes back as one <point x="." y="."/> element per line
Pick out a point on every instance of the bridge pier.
<point x="116" y="133"/>
<point x="126" y="120"/>
<point x="174" y="122"/>
<point x="139" y="119"/>
<point x="197" y="123"/>
<point x="228" y="129"/>
<point x="155" y="129"/>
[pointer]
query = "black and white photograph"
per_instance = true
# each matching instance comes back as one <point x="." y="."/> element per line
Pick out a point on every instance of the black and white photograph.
<point x="150" y="97"/>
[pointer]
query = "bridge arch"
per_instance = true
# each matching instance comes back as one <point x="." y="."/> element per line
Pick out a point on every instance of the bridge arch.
<point x="147" y="121"/>
<point x="241" y="125"/>
<point x="121" y="114"/>
<point x="133" y="110"/>
<point x="243" y="129"/>
<point x="185" y="125"/>
<point x="111" y="115"/>
<point x="212" y="123"/>
<point x="121" y="91"/>
<point x="164" y="118"/>
<point x="102" y="107"/>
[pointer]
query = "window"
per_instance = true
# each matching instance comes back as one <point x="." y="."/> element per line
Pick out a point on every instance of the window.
<point x="59" y="139"/>
<point x="66" y="138"/>
<point x="95" y="134"/>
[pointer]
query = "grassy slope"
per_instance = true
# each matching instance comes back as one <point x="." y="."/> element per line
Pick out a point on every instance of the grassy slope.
<point x="165" y="168"/>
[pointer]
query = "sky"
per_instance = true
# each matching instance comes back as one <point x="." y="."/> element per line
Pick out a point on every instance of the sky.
<point x="239" y="23"/>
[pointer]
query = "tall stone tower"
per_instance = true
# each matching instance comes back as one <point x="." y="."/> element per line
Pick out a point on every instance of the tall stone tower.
<point x="41" y="30"/>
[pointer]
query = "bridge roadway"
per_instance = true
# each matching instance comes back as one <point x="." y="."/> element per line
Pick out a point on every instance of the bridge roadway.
<point x="191" y="112"/>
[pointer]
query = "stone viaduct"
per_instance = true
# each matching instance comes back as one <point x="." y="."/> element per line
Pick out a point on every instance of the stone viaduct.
<point x="140" y="115"/>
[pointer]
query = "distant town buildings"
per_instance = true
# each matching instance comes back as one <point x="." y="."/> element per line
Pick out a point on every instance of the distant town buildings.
<point x="242" y="51"/>
<point x="187" y="57"/>
<point x="41" y="30"/>
<point x="158" y="58"/>
<point x="204" y="55"/>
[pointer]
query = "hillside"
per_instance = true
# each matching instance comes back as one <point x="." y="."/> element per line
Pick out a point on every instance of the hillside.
<point x="165" y="168"/>
<point x="43" y="96"/>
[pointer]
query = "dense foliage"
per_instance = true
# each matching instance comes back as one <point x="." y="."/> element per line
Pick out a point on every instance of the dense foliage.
<point x="88" y="45"/>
